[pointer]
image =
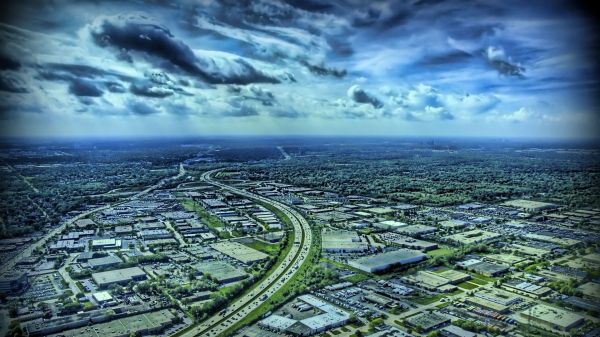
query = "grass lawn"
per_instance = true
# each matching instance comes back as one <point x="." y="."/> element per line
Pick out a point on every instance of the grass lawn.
<point x="347" y="267"/>
<point x="478" y="281"/>
<point x="481" y="278"/>
<point x="423" y="300"/>
<point x="269" y="248"/>
<point x="210" y="220"/>
<point x="440" y="252"/>
<point x="443" y="305"/>
<point x="356" y="278"/>
<point x="467" y="285"/>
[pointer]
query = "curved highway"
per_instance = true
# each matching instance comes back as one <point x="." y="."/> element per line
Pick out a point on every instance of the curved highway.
<point x="242" y="307"/>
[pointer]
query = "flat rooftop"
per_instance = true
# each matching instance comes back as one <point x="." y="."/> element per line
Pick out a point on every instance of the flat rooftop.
<point x="118" y="276"/>
<point x="221" y="271"/>
<point x="239" y="251"/>
<point x="384" y="260"/>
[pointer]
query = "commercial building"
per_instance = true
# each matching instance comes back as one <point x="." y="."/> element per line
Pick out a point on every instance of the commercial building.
<point x="391" y="224"/>
<point x="428" y="321"/>
<point x="150" y="323"/>
<point x="454" y="331"/>
<point x="106" y="244"/>
<point x="119" y="276"/>
<point x="482" y="267"/>
<point x="529" y="206"/>
<point x="526" y="288"/>
<point x="415" y="230"/>
<point x="239" y="251"/>
<point x="220" y="271"/>
<point x="329" y="318"/>
<point x="453" y="224"/>
<point x="552" y="317"/>
<point x="454" y="276"/>
<point x="486" y="304"/>
<point x="104" y="262"/>
<point x="406" y="241"/>
<point x="473" y="237"/>
<point x="430" y="281"/>
<point x="102" y="297"/>
<point x="384" y="261"/>
<point x="341" y="241"/>
<point x="155" y="234"/>
<point x="85" y="223"/>
<point x="590" y="290"/>
<point x="497" y="296"/>
<point x="13" y="283"/>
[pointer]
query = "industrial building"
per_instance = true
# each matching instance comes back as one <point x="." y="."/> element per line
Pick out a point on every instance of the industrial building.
<point x="416" y="230"/>
<point x="526" y="288"/>
<point x="104" y="262"/>
<point x="106" y="244"/>
<point x="13" y="283"/>
<point x="430" y="281"/>
<point x="529" y="206"/>
<point x="220" y="271"/>
<point x="406" y="241"/>
<point x="428" y="321"/>
<point x="239" y="251"/>
<point x="473" y="237"/>
<point x="341" y="241"/>
<point x="384" y="261"/>
<point x="552" y="317"/>
<point x="119" y="276"/>
<point x="330" y="317"/>
<point x="482" y="267"/>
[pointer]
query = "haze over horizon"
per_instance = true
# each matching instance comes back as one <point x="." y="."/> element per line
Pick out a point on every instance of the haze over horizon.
<point x="426" y="68"/>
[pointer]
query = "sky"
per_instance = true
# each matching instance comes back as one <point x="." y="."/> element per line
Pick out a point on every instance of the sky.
<point x="312" y="67"/>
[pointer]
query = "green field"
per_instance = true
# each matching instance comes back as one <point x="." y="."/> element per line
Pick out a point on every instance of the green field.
<point x="481" y="279"/>
<point x="467" y="285"/>
<point x="269" y="248"/>
<point x="424" y="300"/>
<point x="357" y="278"/>
<point x="440" y="252"/>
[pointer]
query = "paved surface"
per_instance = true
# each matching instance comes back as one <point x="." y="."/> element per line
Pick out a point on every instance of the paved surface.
<point x="10" y="264"/>
<point x="241" y="308"/>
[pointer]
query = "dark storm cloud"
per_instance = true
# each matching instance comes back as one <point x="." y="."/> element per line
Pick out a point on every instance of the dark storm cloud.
<point x="8" y="62"/>
<point x="497" y="58"/>
<point x="287" y="112"/>
<point x="311" y="5"/>
<point x="358" y="95"/>
<point x="84" y="87"/>
<point x="137" y="32"/>
<point x="115" y="87"/>
<point x="11" y="82"/>
<point x="261" y="94"/>
<point x="452" y="57"/>
<point x="323" y="70"/>
<point x="148" y="89"/>
<point x="240" y="111"/>
<point x="140" y="108"/>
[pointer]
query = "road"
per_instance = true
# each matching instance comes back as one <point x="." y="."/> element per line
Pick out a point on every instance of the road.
<point x="10" y="264"/>
<point x="241" y="308"/>
<point x="285" y="155"/>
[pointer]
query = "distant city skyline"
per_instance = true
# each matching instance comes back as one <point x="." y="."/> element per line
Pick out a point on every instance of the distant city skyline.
<point x="414" y="68"/>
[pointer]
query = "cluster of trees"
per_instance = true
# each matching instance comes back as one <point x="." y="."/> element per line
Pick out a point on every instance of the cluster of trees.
<point x="36" y="194"/>
<point x="476" y="326"/>
<point x="442" y="178"/>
